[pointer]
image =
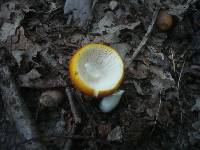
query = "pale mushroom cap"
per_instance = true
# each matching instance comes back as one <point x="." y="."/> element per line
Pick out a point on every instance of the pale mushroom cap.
<point x="99" y="69"/>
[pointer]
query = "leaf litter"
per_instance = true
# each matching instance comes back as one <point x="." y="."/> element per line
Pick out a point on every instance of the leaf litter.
<point x="42" y="43"/>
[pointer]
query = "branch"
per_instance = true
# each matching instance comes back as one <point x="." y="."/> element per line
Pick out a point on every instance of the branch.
<point x="77" y="119"/>
<point x="145" y="38"/>
<point x="73" y="108"/>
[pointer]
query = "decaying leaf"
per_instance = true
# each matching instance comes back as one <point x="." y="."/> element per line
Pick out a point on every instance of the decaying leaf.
<point x="6" y="10"/>
<point x="159" y="71"/>
<point x="109" y="30"/>
<point x="196" y="125"/>
<point x="107" y="25"/>
<point x="115" y="134"/>
<point x="9" y="24"/>
<point x="141" y="71"/>
<point x="196" y="107"/>
<point x="122" y="48"/>
<point x="178" y="10"/>
<point x="138" y="88"/>
<point x="8" y="29"/>
<point x="113" y="4"/>
<point x="106" y="22"/>
<point x="18" y="56"/>
<point x="160" y="85"/>
<point x="81" y="11"/>
<point x="157" y="58"/>
<point x="32" y="75"/>
<point x="20" y="45"/>
<point x="51" y="98"/>
<point x="194" y="137"/>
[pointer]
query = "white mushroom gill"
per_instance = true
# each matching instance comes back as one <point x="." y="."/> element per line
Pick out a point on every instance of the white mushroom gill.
<point x="92" y="71"/>
<point x="100" y="68"/>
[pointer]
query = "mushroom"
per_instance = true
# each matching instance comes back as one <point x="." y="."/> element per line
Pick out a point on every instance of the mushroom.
<point x="96" y="70"/>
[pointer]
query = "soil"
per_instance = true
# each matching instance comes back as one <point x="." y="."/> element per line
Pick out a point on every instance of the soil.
<point x="159" y="109"/>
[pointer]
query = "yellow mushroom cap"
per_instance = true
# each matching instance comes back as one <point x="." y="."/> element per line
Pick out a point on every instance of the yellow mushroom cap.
<point x="96" y="70"/>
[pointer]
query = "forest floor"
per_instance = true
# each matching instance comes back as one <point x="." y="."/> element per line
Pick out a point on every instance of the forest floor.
<point x="159" y="109"/>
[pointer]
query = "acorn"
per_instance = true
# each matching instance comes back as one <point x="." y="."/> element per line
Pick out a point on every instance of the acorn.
<point x="164" y="21"/>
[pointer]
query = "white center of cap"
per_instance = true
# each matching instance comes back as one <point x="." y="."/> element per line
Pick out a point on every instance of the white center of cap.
<point x="92" y="71"/>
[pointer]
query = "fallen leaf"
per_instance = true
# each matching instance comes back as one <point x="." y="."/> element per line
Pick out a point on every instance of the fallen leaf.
<point x="160" y="85"/>
<point x="105" y="23"/>
<point x="113" y="4"/>
<point x="194" y="137"/>
<point x="9" y="24"/>
<point x="196" y="125"/>
<point x="122" y="48"/>
<point x="129" y="26"/>
<point x="159" y="71"/>
<point x="20" y="45"/>
<point x="115" y="134"/>
<point x="18" y="56"/>
<point x="51" y="98"/>
<point x="156" y="58"/>
<point x="6" y="10"/>
<point x="196" y="106"/>
<point x="140" y="72"/>
<point x="81" y="11"/>
<point x="138" y="88"/>
<point x="178" y="10"/>
<point x="8" y="29"/>
<point x="31" y="75"/>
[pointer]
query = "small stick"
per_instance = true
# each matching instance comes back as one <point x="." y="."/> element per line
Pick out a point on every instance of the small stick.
<point x="77" y="119"/>
<point x="157" y="113"/>
<point x="73" y="108"/>
<point x="90" y="117"/>
<point x="145" y="38"/>
<point x="179" y="102"/>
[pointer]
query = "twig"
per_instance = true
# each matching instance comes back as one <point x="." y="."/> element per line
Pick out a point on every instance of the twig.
<point x="80" y="99"/>
<point x="145" y="38"/>
<point x="90" y="117"/>
<point x="17" y="110"/>
<point x="157" y="113"/>
<point x="180" y="75"/>
<point x="77" y="119"/>
<point x="181" y="115"/>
